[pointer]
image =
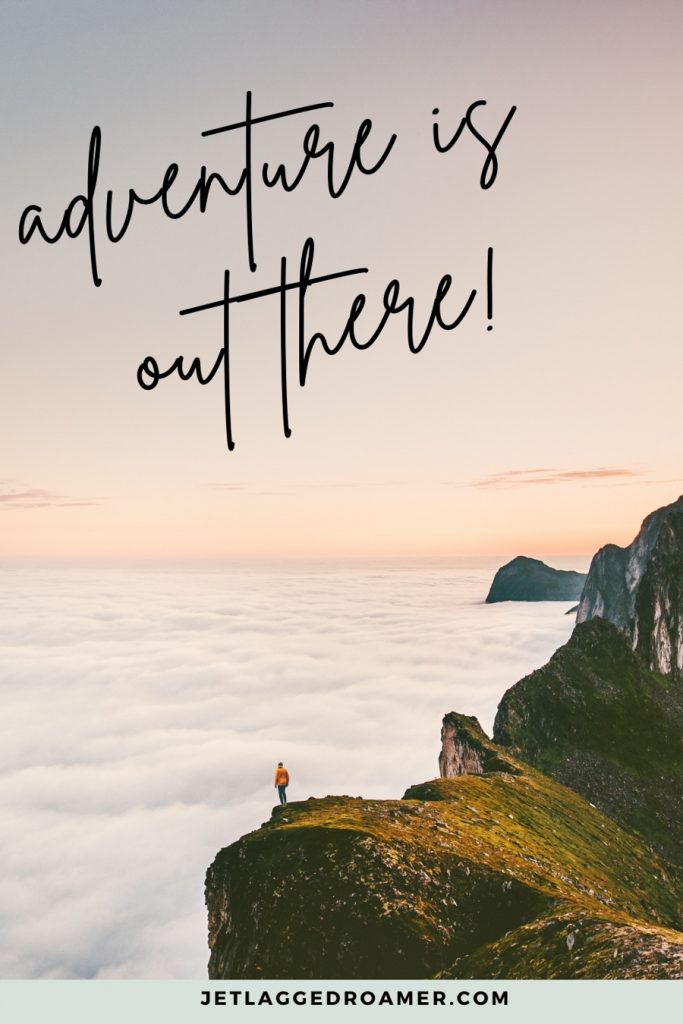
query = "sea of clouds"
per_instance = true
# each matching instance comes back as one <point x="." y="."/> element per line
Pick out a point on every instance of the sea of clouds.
<point x="144" y="710"/>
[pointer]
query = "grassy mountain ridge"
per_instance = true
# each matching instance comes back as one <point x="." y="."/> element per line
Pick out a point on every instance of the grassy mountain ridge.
<point x="598" y="720"/>
<point x="344" y="887"/>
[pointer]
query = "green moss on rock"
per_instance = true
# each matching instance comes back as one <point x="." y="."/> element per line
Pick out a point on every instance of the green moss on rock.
<point x="601" y="722"/>
<point x="344" y="887"/>
<point x="571" y="944"/>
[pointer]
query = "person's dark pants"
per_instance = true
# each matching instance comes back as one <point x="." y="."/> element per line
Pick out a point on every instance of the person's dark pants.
<point x="282" y="793"/>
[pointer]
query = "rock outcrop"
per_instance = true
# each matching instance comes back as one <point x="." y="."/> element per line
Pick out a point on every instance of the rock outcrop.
<point x="528" y="579"/>
<point x="487" y="876"/>
<point x="640" y="589"/>
<point x="467" y="750"/>
<point x="598" y="720"/>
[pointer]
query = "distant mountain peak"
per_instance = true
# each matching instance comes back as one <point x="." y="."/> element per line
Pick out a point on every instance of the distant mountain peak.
<point x="530" y="579"/>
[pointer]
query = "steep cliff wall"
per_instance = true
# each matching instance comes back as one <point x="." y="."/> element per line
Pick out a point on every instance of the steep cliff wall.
<point x="640" y="589"/>
<point x="467" y="750"/>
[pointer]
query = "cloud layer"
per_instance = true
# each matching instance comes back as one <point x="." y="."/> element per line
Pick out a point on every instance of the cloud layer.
<point x="143" y="713"/>
<point x="14" y="496"/>
<point x="521" y="477"/>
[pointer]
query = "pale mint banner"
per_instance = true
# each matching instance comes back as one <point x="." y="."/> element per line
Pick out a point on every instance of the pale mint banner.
<point x="184" y="1002"/>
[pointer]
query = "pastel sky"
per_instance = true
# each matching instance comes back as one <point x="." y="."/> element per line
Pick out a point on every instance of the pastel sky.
<point x="553" y="433"/>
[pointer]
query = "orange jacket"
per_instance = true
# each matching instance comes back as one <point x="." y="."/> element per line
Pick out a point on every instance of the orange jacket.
<point x="281" y="777"/>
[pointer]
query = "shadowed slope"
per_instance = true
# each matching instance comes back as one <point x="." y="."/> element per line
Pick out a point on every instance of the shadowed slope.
<point x="599" y="721"/>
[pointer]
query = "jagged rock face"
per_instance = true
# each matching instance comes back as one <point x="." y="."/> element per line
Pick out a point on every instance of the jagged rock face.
<point x="467" y="750"/>
<point x="640" y="589"/>
<point x="606" y="594"/>
<point x="528" y="579"/>
<point x="598" y="720"/>
<point x="457" y="757"/>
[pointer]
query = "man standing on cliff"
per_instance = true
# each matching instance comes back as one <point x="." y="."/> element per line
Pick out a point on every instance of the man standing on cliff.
<point x="281" y="781"/>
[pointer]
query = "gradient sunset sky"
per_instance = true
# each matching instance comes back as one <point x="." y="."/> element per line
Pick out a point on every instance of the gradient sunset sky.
<point x="553" y="433"/>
